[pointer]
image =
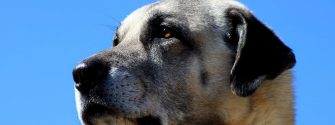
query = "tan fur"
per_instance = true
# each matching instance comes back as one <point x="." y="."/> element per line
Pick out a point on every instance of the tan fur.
<point x="271" y="104"/>
<point x="180" y="93"/>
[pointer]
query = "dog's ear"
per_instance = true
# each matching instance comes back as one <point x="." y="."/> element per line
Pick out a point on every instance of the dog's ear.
<point x="260" y="54"/>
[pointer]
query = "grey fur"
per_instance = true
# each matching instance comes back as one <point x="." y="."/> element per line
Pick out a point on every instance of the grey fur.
<point x="178" y="80"/>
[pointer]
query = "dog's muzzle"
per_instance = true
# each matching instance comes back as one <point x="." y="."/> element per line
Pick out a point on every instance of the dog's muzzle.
<point x="110" y="95"/>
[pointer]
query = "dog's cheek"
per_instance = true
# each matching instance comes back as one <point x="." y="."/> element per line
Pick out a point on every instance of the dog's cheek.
<point x="188" y="86"/>
<point x="172" y="48"/>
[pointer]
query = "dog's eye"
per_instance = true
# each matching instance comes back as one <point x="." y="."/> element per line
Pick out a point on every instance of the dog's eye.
<point x="115" y="41"/>
<point x="166" y="33"/>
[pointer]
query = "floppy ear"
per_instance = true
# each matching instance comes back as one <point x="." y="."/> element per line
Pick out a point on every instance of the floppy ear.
<point x="260" y="54"/>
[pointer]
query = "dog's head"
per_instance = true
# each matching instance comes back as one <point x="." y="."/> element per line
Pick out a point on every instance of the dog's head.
<point x="174" y="60"/>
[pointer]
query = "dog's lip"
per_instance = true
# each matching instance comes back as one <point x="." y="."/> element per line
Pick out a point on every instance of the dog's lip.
<point x="93" y="110"/>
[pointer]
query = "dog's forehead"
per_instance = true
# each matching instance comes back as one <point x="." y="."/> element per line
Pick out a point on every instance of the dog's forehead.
<point x="194" y="11"/>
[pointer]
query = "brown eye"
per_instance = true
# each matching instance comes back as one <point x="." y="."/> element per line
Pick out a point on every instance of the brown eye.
<point x="166" y="33"/>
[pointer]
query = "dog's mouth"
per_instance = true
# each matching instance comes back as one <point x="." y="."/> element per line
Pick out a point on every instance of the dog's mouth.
<point x="100" y="115"/>
<point x="111" y="120"/>
<point x="148" y="120"/>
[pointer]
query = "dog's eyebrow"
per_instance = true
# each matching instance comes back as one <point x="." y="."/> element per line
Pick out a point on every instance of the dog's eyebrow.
<point x="158" y="17"/>
<point x="117" y="31"/>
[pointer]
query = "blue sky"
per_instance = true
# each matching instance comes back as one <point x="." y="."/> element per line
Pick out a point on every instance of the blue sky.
<point x="41" y="41"/>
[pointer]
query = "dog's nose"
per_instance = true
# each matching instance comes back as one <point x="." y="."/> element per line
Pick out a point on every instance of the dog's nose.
<point x="89" y="73"/>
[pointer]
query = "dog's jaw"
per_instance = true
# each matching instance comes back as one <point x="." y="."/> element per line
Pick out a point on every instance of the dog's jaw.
<point x="91" y="113"/>
<point x="101" y="120"/>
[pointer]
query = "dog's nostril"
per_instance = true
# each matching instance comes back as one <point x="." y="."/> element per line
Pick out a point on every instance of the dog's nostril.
<point x="76" y="72"/>
<point x="88" y="73"/>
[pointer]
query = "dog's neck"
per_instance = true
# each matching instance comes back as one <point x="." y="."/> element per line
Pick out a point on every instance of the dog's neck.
<point x="271" y="104"/>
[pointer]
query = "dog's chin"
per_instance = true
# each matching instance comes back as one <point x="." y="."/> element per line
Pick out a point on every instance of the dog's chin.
<point x="95" y="114"/>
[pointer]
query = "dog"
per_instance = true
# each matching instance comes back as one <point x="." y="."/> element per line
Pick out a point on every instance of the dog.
<point x="188" y="62"/>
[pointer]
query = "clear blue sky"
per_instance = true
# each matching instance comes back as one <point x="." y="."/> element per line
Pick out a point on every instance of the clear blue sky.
<point x="42" y="40"/>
